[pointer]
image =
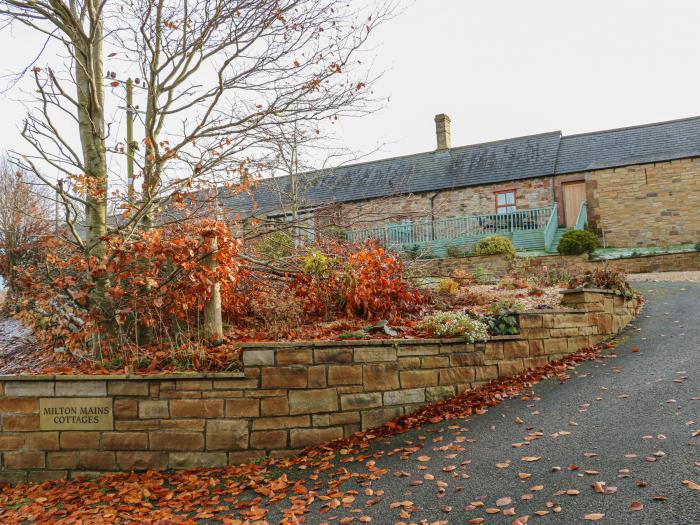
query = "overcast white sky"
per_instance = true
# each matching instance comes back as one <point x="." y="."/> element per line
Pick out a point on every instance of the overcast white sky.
<point x="504" y="68"/>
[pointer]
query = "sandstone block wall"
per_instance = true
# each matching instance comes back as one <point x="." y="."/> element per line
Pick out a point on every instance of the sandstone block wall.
<point x="290" y="396"/>
<point x="646" y="204"/>
<point x="494" y="267"/>
<point x="476" y="200"/>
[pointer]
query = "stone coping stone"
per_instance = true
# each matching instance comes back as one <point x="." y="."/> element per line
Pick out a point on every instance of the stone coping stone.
<point x="348" y="342"/>
<point x="504" y="337"/>
<point x="122" y="377"/>
<point x="369" y="342"/>
<point x="685" y="251"/>
<point x="589" y="290"/>
<point x="553" y="311"/>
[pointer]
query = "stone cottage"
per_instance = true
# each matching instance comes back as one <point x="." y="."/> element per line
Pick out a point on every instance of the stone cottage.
<point x="635" y="186"/>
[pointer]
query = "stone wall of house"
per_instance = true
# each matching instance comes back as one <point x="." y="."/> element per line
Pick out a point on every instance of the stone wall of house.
<point x="476" y="200"/>
<point x="290" y="396"/>
<point x="656" y="204"/>
<point x="646" y="204"/>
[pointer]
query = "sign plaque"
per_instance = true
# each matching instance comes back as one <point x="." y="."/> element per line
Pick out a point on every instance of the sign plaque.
<point x="76" y="413"/>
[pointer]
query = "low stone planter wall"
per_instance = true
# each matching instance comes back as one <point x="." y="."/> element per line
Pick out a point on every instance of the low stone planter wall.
<point x="494" y="267"/>
<point x="290" y="396"/>
<point x="488" y="267"/>
<point x="670" y="262"/>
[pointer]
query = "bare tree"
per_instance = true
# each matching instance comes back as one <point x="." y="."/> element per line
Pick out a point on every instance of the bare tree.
<point x="25" y="219"/>
<point x="216" y="76"/>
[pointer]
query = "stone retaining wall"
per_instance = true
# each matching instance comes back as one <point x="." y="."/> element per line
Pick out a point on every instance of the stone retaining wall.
<point x="290" y="396"/>
<point x="487" y="267"/>
<point x="494" y="267"/>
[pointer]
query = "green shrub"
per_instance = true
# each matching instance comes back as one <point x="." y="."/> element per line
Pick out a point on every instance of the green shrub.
<point x="460" y="251"/>
<point x="316" y="263"/>
<point x="494" y="246"/>
<point x="697" y="246"/>
<point x="276" y="245"/>
<point x="415" y="251"/>
<point x="452" y="324"/>
<point x="448" y="286"/>
<point x="480" y="275"/>
<point x="576" y="242"/>
<point x="334" y="232"/>
<point x="502" y="317"/>
<point x="353" y="334"/>
<point x="455" y="252"/>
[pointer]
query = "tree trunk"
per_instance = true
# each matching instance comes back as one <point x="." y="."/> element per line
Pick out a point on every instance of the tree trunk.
<point x="10" y="272"/>
<point x="213" y="324"/>
<point x="89" y="76"/>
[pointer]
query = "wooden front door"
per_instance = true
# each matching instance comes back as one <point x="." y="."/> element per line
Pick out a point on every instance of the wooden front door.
<point x="574" y="194"/>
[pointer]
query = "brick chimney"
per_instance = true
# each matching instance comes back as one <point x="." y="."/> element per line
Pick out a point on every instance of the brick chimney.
<point x="443" y="129"/>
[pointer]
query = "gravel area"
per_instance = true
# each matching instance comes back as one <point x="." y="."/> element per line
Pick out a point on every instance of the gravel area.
<point x="690" y="277"/>
<point x="491" y="293"/>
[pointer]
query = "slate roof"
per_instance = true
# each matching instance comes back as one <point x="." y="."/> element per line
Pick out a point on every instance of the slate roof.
<point x="488" y="163"/>
<point x="657" y="142"/>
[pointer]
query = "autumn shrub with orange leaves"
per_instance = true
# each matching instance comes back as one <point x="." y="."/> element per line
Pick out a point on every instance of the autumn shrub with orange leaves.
<point x="156" y="288"/>
<point x="355" y="281"/>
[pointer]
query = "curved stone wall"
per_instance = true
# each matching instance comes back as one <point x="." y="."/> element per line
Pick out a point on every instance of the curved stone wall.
<point x="289" y="396"/>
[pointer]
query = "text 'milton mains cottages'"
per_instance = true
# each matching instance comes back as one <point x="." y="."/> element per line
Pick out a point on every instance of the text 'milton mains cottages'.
<point x="76" y="413"/>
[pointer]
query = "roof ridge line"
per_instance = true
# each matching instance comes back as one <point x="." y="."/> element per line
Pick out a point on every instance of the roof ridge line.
<point x="635" y="126"/>
<point x="477" y="144"/>
<point x="328" y="170"/>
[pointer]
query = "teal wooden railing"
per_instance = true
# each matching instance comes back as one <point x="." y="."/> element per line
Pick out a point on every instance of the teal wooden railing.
<point x="468" y="227"/>
<point x="582" y="218"/>
<point x="550" y="231"/>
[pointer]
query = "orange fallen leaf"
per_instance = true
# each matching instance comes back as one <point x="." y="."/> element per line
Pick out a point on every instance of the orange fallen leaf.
<point x="691" y="485"/>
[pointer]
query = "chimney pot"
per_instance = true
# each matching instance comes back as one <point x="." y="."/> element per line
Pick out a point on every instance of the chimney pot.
<point x="443" y="129"/>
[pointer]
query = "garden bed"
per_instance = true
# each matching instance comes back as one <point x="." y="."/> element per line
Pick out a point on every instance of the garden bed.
<point x="21" y="355"/>
<point x="331" y="292"/>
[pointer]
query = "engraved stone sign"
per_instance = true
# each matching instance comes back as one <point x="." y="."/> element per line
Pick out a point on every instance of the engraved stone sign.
<point x="76" y="413"/>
